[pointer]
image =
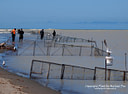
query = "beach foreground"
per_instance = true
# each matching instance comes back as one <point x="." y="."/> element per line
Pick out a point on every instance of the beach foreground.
<point x="12" y="84"/>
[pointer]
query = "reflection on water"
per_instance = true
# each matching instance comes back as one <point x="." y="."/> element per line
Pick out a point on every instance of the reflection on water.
<point x="85" y="86"/>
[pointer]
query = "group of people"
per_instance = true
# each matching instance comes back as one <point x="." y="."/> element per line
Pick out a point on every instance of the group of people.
<point x="42" y="34"/>
<point x="20" y="32"/>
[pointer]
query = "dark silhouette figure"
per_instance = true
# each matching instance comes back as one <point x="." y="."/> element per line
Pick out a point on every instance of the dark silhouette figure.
<point x="21" y="33"/>
<point x="13" y="32"/>
<point x="41" y="34"/>
<point x="54" y="34"/>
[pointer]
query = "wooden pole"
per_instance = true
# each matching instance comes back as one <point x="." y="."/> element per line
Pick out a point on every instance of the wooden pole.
<point x="102" y="48"/>
<point x="84" y="74"/>
<point x="126" y="61"/>
<point x="62" y="71"/>
<point x="31" y="69"/>
<point x="91" y="46"/>
<point x="105" y="69"/>
<point x="63" y="50"/>
<point x="80" y="50"/>
<point x="94" y="78"/>
<point x="124" y="76"/>
<point x="34" y="48"/>
<point x="48" y="71"/>
<point x="72" y="72"/>
<point x="48" y="49"/>
<point x="109" y="74"/>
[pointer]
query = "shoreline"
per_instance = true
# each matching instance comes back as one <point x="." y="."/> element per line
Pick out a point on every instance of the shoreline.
<point x="13" y="84"/>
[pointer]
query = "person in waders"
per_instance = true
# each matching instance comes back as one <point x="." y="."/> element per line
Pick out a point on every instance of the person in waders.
<point x="13" y="32"/>
<point x="21" y="33"/>
<point x="54" y="34"/>
<point x="41" y="34"/>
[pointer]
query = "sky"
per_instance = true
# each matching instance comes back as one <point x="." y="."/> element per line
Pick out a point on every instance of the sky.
<point x="37" y="12"/>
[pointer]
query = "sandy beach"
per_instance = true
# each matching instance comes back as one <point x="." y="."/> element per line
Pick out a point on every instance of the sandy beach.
<point x="12" y="84"/>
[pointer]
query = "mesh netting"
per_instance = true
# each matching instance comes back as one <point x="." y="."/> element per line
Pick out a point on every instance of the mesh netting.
<point x="55" y="71"/>
<point x="89" y="74"/>
<point x="60" y="71"/>
<point x="39" y="48"/>
<point x="99" y="52"/>
<point x="116" y="75"/>
<point x="100" y="74"/>
<point x="111" y="74"/>
<point x="61" y="46"/>
<point x="71" y="51"/>
<point x="69" y="39"/>
<point x="37" y="67"/>
<point x="43" y="69"/>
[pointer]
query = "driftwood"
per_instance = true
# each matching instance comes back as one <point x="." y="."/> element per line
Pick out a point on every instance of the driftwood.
<point x="2" y="45"/>
<point x="6" y="46"/>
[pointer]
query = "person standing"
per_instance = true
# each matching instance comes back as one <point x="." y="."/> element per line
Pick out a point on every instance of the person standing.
<point x="41" y="34"/>
<point x="54" y="34"/>
<point x="21" y="33"/>
<point x="13" y="32"/>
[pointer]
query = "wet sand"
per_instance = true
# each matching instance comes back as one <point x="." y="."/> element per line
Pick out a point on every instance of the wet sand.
<point x="12" y="84"/>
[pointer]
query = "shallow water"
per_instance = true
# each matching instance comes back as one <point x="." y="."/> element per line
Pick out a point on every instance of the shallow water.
<point x="117" y="42"/>
<point x="86" y="86"/>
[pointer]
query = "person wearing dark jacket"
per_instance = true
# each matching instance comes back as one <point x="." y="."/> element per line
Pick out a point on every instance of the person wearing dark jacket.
<point x="21" y="33"/>
<point x="54" y="34"/>
<point x="41" y="34"/>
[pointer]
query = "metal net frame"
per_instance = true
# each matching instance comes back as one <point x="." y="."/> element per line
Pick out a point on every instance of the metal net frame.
<point x="51" y="70"/>
<point x="111" y="74"/>
<point x="52" y="48"/>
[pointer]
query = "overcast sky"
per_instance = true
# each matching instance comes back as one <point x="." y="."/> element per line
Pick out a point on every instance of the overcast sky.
<point x="62" y="11"/>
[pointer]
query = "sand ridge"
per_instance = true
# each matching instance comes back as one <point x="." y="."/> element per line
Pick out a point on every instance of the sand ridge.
<point x="12" y="84"/>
